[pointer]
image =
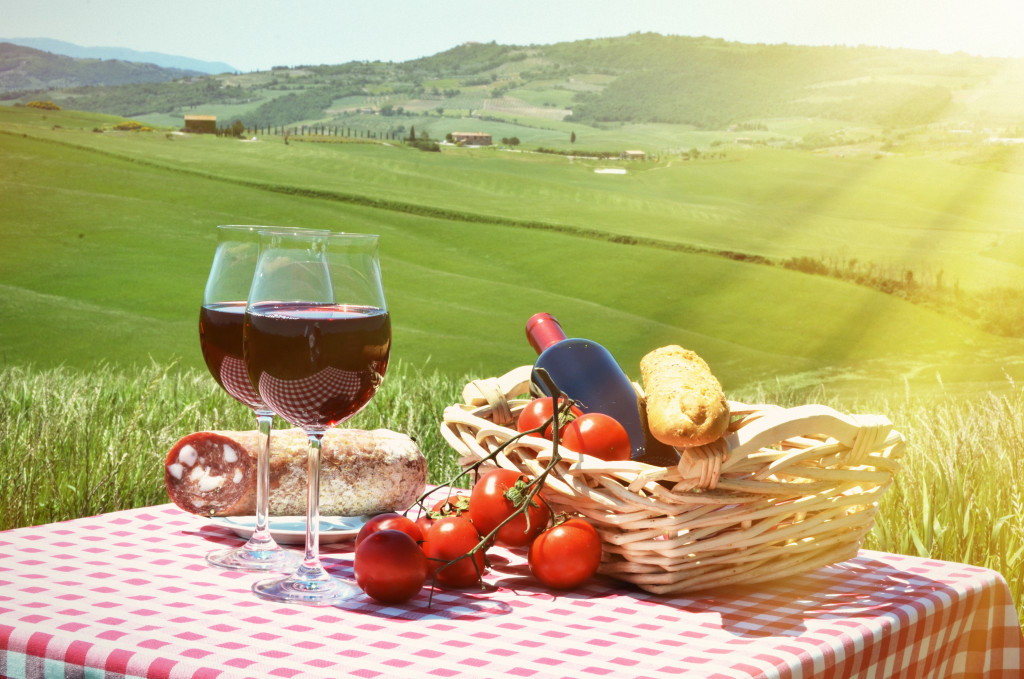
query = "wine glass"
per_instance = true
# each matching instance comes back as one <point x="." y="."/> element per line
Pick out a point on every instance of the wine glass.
<point x="220" y="335"/>
<point x="316" y="344"/>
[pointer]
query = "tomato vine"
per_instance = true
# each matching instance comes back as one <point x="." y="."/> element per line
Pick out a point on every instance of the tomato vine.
<point x="522" y="497"/>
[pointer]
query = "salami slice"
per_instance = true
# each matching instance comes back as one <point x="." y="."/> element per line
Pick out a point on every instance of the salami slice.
<point x="213" y="473"/>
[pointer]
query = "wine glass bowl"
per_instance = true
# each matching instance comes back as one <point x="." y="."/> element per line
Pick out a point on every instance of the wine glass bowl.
<point x="317" y="365"/>
<point x="316" y="344"/>
<point x="220" y="330"/>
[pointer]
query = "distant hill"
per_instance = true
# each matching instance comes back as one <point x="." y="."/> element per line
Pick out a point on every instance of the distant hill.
<point x="703" y="83"/>
<point x="25" y="69"/>
<point x="122" y="54"/>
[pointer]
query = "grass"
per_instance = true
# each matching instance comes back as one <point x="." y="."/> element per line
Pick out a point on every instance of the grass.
<point x="76" y="443"/>
<point x="954" y="487"/>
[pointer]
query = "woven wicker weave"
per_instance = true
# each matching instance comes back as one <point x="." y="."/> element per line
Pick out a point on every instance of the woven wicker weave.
<point x="785" y="491"/>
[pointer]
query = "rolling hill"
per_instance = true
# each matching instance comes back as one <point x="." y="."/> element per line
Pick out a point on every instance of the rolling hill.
<point x="108" y="238"/>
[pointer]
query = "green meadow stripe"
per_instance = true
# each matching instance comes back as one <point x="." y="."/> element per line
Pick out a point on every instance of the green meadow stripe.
<point x="420" y="210"/>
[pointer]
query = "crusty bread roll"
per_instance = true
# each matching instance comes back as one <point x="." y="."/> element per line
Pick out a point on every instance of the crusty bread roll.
<point x="686" y="406"/>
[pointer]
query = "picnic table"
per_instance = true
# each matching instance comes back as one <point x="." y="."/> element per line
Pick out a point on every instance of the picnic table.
<point x="129" y="594"/>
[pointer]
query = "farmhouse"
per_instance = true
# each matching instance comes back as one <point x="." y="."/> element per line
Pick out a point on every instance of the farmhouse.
<point x="201" y="124"/>
<point x="634" y="155"/>
<point x="473" y="138"/>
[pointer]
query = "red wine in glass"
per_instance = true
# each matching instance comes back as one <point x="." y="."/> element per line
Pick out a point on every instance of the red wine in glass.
<point x="220" y="335"/>
<point x="317" y="364"/>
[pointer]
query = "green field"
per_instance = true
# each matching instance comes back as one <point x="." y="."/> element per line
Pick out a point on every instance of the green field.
<point x="108" y="238"/>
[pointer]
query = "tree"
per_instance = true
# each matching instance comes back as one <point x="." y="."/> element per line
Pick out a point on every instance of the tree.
<point x="44" y="105"/>
<point x="572" y="137"/>
<point x="514" y="141"/>
<point x="412" y="133"/>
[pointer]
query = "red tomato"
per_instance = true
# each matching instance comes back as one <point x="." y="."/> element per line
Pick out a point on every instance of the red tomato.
<point x="424" y="522"/>
<point x="538" y="411"/>
<point x="599" y="435"/>
<point x="390" y="520"/>
<point x="566" y="555"/>
<point x="490" y="504"/>
<point x="389" y="566"/>
<point x="454" y="505"/>
<point x="448" y="539"/>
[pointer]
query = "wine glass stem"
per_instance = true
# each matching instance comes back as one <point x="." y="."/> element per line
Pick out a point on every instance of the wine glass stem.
<point x="262" y="533"/>
<point x="312" y="558"/>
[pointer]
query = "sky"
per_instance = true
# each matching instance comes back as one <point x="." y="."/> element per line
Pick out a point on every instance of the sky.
<point x="255" y="35"/>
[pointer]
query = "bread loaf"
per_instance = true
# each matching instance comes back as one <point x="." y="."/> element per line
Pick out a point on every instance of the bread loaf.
<point x="686" y="406"/>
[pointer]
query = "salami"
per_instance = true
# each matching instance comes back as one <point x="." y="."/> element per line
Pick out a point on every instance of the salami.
<point x="213" y="473"/>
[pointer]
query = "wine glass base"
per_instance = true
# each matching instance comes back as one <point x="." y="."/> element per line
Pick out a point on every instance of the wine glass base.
<point x="257" y="560"/>
<point x="324" y="591"/>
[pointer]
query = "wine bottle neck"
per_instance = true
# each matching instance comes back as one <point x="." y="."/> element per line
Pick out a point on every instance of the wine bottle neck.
<point x="542" y="330"/>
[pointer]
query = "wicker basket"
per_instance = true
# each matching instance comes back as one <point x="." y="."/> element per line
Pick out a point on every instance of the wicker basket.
<point x="785" y="491"/>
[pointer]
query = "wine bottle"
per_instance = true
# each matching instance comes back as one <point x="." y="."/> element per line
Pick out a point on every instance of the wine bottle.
<point x="587" y="372"/>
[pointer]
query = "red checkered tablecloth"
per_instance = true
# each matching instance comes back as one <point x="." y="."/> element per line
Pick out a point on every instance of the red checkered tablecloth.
<point x="128" y="594"/>
<point x="235" y="380"/>
<point x="300" y="401"/>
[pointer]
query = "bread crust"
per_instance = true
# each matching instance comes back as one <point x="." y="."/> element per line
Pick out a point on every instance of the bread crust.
<point x="686" y="405"/>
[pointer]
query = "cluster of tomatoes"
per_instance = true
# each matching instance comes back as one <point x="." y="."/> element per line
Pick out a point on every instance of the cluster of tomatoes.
<point x="593" y="434"/>
<point x="395" y="555"/>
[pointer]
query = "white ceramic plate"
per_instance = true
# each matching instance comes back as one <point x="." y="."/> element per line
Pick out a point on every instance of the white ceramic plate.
<point x="291" y="530"/>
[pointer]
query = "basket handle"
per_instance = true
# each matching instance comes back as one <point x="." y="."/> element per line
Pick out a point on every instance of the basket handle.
<point x="861" y="433"/>
<point x="804" y="420"/>
<point x="496" y="391"/>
